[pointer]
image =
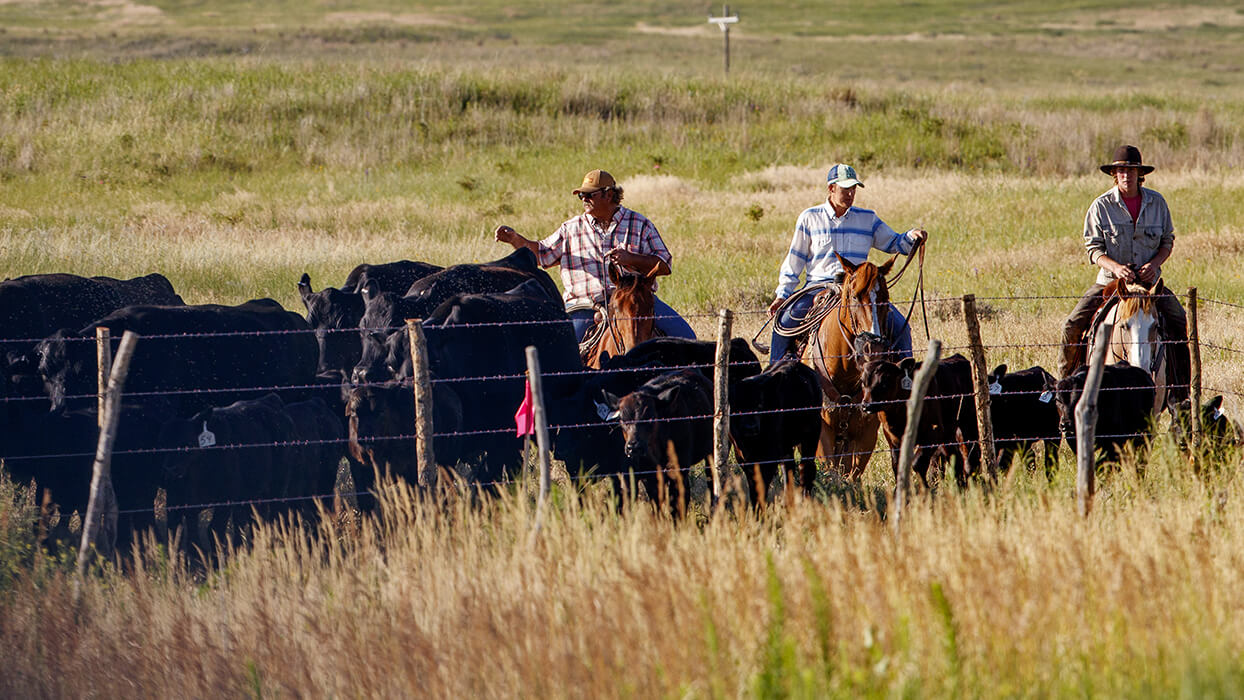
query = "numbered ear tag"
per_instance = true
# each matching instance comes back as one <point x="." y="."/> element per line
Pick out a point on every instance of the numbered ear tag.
<point x="1217" y="413"/>
<point x="1045" y="396"/>
<point x="995" y="388"/>
<point x="206" y="438"/>
<point x="906" y="384"/>
<point x="602" y="410"/>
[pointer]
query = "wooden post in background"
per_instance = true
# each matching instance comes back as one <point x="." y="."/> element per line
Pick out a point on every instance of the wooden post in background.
<point x="907" y="452"/>
<point x="99" y="526"/>
<point x="103" y="356"/>
<point x="1086" y="422"/>
<point x="425" y="457"/>
<point x="721" y="400"/>
<point x="542" y="432"/>
<point x="1194" y="381"/>
<point x="980" y="386"/>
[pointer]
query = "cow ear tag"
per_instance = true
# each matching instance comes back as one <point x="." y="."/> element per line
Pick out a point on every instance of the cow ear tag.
<point x="906" y="383"/>
<point x="206" y="438"/>
<point x="995" y="388"/>
<point x="1217" y="413"/>
<point x="602" y="410"/>
<point x="1045" y="396"/>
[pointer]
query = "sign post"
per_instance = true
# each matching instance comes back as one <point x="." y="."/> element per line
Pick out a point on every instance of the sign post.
<point x="724" y="22"/>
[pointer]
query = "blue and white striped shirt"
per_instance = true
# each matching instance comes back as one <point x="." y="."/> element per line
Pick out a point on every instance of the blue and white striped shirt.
<point x="820" y="233"/>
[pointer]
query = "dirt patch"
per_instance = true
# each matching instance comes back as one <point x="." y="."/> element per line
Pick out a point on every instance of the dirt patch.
<point x="125" y="12"/>
<point x="698" y="31"/>
<point x="408" y="19"/>
<point x="1151" y="19"/>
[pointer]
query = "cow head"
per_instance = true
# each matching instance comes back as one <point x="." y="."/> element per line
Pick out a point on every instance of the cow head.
<point x="1066" y="393"/>
<point x="373" y="365"/>
<point x="637" y="415"/>
<point x="66" y="367"/>
<point x="334" y="315"/>
<point x="887" y="384"/>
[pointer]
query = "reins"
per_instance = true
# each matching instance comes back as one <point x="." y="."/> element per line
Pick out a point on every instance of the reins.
<point x="924" y="312"/>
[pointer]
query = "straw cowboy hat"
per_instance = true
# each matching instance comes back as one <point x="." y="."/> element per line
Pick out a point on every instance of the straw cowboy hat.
<point x="1127" y="157"/>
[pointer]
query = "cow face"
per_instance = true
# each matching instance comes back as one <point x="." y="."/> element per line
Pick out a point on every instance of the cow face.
<point x="1066" y="393"/>
<point x="66" y="367"/>
<point x="636" y="414"/>
<point x="333" y="315"/>
<point x="886" y="384"/>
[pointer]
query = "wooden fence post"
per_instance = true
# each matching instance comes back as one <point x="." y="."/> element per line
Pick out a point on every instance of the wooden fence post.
<point x="425" y="457"/>
<point x="980" y="385"/>
<point x="721" y="400"/>
<point x="1086" y="422"/>
<point x="915" y="404"/>
<point x="1194" y="389"/>
<point x="103" y="356"/>
<point x="101" y="507"/>
<point x="542" y="432"/>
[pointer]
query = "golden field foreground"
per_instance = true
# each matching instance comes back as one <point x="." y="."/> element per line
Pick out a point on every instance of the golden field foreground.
<point x="996" y="592"/>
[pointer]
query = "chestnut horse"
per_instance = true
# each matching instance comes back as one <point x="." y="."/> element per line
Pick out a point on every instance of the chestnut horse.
<point x="626" y="320"/>
<point x="1137" y="337"/>
<point x="852" y="334"/>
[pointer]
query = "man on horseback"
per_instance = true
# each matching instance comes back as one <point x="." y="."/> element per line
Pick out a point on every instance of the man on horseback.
<point x="584" y="246"/>
<point x="1128" y="234"/>
<point x="821" y="231"/>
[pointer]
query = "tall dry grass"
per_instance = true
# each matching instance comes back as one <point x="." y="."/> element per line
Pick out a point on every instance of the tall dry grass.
<point x="1000" y="591"/>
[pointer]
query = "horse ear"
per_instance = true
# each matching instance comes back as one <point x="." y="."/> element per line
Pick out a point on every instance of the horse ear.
<point x="884" y="268"/>
<point x="846" y="264"/>
<point x="614" y="273"/>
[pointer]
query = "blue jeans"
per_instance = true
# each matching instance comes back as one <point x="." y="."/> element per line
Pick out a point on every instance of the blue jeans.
<point x="666" y="320"/>
<point x="780" y="345"/>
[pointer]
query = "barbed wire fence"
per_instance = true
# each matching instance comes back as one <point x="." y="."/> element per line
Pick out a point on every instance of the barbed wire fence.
<point x="425" y="437"/>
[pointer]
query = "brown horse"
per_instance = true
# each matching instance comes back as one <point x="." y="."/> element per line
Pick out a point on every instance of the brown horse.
<point x="626" y="320"/>
<point x="852" y="334"/>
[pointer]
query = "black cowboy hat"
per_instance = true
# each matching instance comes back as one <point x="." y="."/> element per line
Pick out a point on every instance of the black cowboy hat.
<point x="1127" y="157"/>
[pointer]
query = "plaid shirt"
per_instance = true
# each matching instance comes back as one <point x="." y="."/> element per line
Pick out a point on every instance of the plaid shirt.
<point x="580" y="244"/>
<point x="1108" y="230"/>
<point x="820" y="233"/>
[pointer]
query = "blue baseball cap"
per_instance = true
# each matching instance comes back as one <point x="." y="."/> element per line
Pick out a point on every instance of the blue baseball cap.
<point x="843" y="175"/>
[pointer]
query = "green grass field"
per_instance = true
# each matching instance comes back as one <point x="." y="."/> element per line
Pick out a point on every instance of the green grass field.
<point x="234" y="145"/>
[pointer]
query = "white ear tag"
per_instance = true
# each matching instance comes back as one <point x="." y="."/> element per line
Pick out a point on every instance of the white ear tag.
<point x="995" y="388"/>
<point x="906" y="384"/>
<point x="1217" y="413"/>
<point x="206" y="438"/>
<point x="1045" y="396"/>
<point x="602" y="410"/>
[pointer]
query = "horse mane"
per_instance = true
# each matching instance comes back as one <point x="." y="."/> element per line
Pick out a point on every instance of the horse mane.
<point x="1137" y="298"/>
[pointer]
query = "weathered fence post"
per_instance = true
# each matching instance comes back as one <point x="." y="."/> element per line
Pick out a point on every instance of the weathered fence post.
<point x="542" y="431"/>
<point x="103" y="356"/>
<point x="1086" y="422"/>
<point x="980" y="385"/>
<point x="721" y="400"/>
<point x="1194" y="388"/>
<point x="101" y="507"/>
<point x="915" y="404"/>
<point x="425" y="457"/>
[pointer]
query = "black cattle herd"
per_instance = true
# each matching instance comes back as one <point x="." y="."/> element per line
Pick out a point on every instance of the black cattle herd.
<point x="254" y="407"/>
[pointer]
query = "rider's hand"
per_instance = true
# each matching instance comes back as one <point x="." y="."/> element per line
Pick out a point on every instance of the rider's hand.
<point x="621" y="256"/>
<point x="1124" y="272"/>
<point x="776" y="303"/>
<point x="1148" y="273"/>
<point x="919" y="234"/>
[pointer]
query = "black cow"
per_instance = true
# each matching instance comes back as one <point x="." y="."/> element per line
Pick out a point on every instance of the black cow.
<point x="668" y="427"/>
<point x="947" y="431"/>
<point x="1024" y="414"/>
<point x="254" y="454"/>
<point x="226" y="352"/>
<point x="335" y="313"/>
<point x="1124" y="408"/>
<point x="589" y="443"/>
<point x="34" y="306"/>
<point x="771" y="415"/>
<point x="476" y="344"/>
<point x="57" y="452"/>
<point x="381" y="419"/>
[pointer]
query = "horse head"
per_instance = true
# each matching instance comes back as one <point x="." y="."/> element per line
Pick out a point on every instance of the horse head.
<point x="628" y="317"/>
<point x="1137" y="335"/>
<point x="865" y="305"/>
